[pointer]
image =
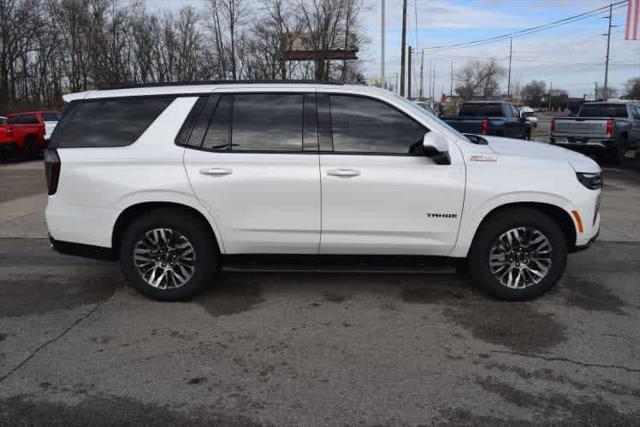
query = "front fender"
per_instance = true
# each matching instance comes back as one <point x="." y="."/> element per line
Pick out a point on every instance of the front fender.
<point x="472" y="217"/>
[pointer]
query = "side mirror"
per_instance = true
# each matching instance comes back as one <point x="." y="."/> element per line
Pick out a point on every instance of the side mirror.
<point x="436" y="146"/>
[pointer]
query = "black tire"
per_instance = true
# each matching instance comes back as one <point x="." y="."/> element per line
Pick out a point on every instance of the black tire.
<point x="497" y="224"/>
<point x="30" y="149"/>
<point x="617" y="153"/>
<point x="197" y="233"/>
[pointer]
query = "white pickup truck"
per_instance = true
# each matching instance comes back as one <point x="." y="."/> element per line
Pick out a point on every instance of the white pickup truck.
<point x="601" y="128"/>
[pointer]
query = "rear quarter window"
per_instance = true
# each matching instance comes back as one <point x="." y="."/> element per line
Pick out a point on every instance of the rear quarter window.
<point x="107" y="122"/>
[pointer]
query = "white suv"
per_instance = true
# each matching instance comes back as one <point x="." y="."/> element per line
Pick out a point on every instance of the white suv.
<point x="178" y="182"/>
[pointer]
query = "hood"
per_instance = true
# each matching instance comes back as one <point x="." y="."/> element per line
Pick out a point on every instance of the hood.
<point x="541" y="150"/>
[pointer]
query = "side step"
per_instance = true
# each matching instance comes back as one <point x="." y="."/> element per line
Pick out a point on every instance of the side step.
<point x="341" y="263"/>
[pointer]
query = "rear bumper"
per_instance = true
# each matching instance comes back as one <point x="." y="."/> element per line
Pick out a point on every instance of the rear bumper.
<point x="81" y="250"/>
<point x="590" y="146"/>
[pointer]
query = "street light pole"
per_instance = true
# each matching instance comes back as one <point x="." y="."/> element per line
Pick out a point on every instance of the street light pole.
<point x="606" y="66"/>
<point x="403" y="45"/>
<point x="509" y="78"/>
<point x="409" y="69"/>
<point x="383" y="82"/>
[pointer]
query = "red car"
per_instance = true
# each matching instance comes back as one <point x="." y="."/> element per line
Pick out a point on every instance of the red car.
<point x="23" y="134"/>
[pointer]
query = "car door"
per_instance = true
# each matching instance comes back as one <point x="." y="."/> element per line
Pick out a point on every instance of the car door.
<point x="380" y="193"/>
<point x="252" y="160"/>
<point x="515" y="127"/>
<point x="634" y="132"/>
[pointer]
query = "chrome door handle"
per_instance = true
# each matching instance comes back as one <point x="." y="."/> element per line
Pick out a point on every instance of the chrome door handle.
<point x="216" y="171"/>
<point x="343" y="173"/>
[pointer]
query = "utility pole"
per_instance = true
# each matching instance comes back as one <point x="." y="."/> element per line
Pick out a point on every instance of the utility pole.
<point x="451" y="88"/>
<point x="606" y="66"/>
<point x="421" y="74"/>
<point x="550" y="90"/>
<point x="509" y="78"/>
<point x="595" y="93"/>
<point x="409" y="75"/>
<point x="383" y="82"/>
<point x="433" y="85"/>
<point x="403" y="45"/>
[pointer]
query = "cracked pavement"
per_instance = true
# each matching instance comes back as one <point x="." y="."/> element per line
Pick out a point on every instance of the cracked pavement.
<point x="78" y="346"/>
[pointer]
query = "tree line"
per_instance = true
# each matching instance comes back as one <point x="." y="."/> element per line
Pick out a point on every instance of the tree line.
<point x="50" y="47"/>
<point x="482" y="80"/>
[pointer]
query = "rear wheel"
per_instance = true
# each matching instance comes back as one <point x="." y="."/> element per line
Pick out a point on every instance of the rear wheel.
<point x="617" y="153"/>
<point x="168" y="255"/>
<point x="30" y="149"/>
<point x="518" y="254"/>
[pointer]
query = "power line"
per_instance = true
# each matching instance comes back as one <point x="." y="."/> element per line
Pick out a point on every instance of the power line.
<point x="531" y="30"/>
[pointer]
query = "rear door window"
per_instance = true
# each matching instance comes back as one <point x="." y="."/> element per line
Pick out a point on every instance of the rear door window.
<point x="107" y="122"/>
<point x="267" y="122"/>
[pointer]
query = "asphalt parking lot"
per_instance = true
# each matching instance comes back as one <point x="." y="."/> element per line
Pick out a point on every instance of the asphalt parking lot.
<point x="78" y="346"/>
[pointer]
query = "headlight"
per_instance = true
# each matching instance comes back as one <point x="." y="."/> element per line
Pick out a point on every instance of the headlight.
<point x="592" y="181"/>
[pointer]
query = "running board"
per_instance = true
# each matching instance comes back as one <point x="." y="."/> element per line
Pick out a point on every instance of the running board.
<point x="341" y="264"/>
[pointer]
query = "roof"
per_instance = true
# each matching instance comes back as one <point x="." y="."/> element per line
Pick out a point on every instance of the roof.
<point x="208" y="87"/>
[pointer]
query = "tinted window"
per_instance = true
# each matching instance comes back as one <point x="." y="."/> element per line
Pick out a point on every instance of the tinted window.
<point x="267" y="122"/>
<point x="218" y="133"/>
<point x="603" y="110"/>
<point x="3" y="120"/>
<point x="50" y="116"/>
<point x="107" y="123"/>
<point x="23" y="119"/>
<point x="364" y="125"/>
<point x="482" y="110"/>
<point x="187" y="127"/>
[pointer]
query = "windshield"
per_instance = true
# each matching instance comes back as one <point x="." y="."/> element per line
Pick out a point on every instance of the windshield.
<point x="603" y="110"/>
<point x="429" y="115"/>
<point x="481" y="110"/>
<point x="528" y="114"/>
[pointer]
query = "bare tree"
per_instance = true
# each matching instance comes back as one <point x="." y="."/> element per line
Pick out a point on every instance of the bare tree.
<point x="479" y="79"/>
<point x="632" y="87"/>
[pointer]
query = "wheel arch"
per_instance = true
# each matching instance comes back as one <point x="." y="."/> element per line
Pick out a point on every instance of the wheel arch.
<point x="134" y="211"/>
<point x="555" y="212"/>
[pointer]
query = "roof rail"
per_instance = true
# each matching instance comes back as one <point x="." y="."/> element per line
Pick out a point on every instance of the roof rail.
<point x="128" y="85"/>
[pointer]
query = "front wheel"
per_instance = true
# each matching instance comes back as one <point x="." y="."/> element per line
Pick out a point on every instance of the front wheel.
<point x="168" y="255"/>
<point x="518" y="254"/>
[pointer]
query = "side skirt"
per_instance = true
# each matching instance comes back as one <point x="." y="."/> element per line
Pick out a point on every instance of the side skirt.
<point x="342" y="263"/>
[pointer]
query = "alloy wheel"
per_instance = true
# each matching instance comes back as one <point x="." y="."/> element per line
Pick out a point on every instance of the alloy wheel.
<point x="164" y="258"/>
<point x="520" y="257"/>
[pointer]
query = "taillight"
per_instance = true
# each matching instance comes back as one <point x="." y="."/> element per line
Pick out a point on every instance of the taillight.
<point x="553" y="125"/>
<point x="609" y="127"/>
<point x="52" y="169"/>
<point x="485" y="126"/>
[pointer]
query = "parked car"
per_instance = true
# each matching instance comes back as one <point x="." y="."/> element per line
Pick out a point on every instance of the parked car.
<point x="23" y="135"/>
<point x="178" y="182"/>
<point x="497" y="118"/>
<point x="601" y="128"/>
<point x="424" y="105"/>
<point x="530" y="116"/>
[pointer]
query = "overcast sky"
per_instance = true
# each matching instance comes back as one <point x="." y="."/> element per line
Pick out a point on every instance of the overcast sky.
<point x="569" y="56"/>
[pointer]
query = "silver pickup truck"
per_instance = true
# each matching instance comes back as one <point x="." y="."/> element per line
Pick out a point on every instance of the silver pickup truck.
<point x="601" y="128"/>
